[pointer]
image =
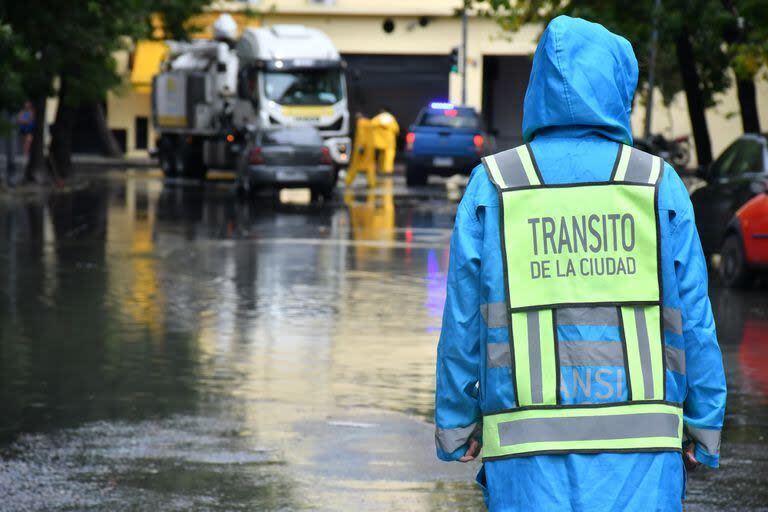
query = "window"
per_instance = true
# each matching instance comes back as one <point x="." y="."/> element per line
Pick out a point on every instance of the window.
<point x="304" y="87"/>
<point x="743" y="156"/>
<point x="298" y="136"/>
<point x="141" y="132"/>
<point x="451" y="119"/>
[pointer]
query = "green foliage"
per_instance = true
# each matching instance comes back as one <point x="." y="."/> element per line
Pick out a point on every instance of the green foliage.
<point x="747" y="37"/>
<point x="76" y="41"/>
<point x="12" y="56"/>
<point x="175" y="15"/>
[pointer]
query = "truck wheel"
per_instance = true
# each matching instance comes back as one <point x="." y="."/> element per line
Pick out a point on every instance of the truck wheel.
<point x="734" y="270"/>
<point x="415" y="177"/>
<point x="167" y="158"/>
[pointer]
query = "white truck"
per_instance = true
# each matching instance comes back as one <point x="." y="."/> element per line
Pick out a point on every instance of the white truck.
<point x="210" y="94"/>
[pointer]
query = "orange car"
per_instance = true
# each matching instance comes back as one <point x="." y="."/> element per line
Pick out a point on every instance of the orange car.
<point x="745" y="248"/>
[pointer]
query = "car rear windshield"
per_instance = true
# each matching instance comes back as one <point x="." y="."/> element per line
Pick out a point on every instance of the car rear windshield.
<point x="451" y="119"/>
<point x="293" y="137"/>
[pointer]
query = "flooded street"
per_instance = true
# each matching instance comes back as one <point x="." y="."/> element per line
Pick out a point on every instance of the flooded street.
<point x="167" y="347"/>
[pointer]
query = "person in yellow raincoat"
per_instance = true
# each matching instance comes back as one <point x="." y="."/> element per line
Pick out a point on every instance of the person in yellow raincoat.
<point x="363" y="153"/>
<point x="385" y="132"/>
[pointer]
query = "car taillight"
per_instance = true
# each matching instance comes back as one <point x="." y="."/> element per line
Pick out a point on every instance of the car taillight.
<point x="256" y="157"/>
<point x="410" y="138"/>
<point x="478" y="142"/>
<point x="325" y="156"/>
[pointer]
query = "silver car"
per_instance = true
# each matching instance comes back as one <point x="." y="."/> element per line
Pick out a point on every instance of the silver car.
<point x="287" y="157"/>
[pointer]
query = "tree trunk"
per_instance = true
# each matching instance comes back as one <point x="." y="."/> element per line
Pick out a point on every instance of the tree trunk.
<point x="694" y="97"/>
<point x="35" y="168"/>
<point x="61" y="135"/>
<point x="750" y="120"/>
<point x="107" y="140"/>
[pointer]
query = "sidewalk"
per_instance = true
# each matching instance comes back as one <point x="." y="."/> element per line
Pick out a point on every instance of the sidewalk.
<point x="83" y="160"/>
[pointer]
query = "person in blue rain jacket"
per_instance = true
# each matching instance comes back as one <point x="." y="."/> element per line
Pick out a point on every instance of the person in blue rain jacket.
<point x="576" y="111"/>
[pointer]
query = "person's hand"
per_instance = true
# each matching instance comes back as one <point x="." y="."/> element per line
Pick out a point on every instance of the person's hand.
<point x="472" y="452"/>
<point x="689" y="458"/>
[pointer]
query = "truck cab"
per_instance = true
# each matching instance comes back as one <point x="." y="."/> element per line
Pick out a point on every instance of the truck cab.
<point x="295" y="77"/>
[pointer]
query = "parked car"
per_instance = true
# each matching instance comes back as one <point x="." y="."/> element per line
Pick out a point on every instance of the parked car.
<point x="284" y="157"/>
<point x="445" y="139"/>
<point x="738" y="174"/>
<point x="745" y="248"/>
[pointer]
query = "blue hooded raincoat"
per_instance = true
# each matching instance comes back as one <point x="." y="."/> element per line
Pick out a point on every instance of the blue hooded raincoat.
<point x="576" y="111"/>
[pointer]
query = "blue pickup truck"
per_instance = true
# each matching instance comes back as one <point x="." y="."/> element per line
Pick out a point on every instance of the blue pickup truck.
<point x="445" y="139"/>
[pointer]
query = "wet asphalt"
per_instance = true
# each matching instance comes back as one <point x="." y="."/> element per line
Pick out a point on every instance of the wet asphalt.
<point x="166" y="346"/>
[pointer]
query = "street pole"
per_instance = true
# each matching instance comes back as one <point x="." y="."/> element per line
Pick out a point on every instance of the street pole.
<point x="652" y="69"/>
<point x="464" y="55"/>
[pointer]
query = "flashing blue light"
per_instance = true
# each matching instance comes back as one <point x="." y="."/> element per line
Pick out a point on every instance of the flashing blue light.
<point x="440" y="105"/>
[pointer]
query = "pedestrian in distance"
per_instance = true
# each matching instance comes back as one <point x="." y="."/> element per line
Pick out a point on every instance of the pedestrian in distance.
<point x="385" y="132"/>
<point x="25" y="120"/>
<point x="363" y="152"/>
<point x="578" y="354"/>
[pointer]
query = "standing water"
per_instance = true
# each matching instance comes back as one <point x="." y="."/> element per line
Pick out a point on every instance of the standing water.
<point x="164" y="347"/>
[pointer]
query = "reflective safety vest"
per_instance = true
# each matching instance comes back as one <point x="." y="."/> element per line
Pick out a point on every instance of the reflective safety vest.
<point x="581" y="245"/>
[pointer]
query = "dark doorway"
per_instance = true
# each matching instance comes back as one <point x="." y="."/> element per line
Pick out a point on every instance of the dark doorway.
<point x="141" y="131"/>
<point x="505" y="79"/>
<point x="403" y="83"/>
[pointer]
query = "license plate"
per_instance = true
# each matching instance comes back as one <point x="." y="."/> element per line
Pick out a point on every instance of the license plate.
<point x="442" y="161"/>
<point x="291" y="175"/>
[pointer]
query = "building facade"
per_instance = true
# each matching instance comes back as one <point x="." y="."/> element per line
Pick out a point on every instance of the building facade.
<point x="398" y="56"/>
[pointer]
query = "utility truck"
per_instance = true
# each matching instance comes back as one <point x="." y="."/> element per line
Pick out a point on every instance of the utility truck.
<point x="211" y="94"/>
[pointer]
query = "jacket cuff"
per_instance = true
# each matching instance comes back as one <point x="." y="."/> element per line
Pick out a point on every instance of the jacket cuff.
<point x="452" y="443"/>
<point x="705" y="458"/>
<point x="707" y="441"/>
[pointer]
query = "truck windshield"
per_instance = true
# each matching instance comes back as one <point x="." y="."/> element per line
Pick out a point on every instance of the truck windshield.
<point x="303" y="87"/>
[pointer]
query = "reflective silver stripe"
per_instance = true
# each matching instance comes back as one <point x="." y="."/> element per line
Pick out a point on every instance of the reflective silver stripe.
<point x="639" y="167"/>
<point x="588" y="316"/>
<point x="494" y="314"/>
<point x="451" y="439"/>
<point x="571" y="353"/>
<point x="675" y="359"/>
<point x="644" y="346"/>
<point x="511" y="168"/>
<point x="673" y="320"/>
<point x="591" y="353"/>
<point x="588" y="428"/>
<point x="534" y="358"/>
<point x="708" y="439"/>
<point x="499" y="355"/>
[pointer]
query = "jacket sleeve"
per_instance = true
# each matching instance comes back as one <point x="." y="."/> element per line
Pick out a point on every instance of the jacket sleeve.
<point x="704" y="406"/>
<point x="457" y="411"/>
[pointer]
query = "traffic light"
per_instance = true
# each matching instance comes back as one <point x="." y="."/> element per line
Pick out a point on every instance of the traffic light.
<point x="455" y="59"/>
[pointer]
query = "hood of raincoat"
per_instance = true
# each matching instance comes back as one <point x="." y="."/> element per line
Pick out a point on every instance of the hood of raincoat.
<point x="583" y="76"/>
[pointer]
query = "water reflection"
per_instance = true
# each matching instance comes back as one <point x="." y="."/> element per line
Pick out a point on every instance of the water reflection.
<point x="160" y="339"/>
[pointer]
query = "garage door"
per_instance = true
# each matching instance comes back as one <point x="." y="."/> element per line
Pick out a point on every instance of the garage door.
<point x="505" y="79"/>
<point x="402" y="83"/>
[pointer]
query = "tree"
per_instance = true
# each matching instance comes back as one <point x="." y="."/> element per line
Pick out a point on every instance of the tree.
<point x="747" y="37"/>
<point x="72" y="44"/>
<point x="690" y="32"/>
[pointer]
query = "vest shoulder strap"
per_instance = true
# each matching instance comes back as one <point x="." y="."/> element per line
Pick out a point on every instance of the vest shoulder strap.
<point x="636" y="166"/>
<point x="513" y="168"/>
